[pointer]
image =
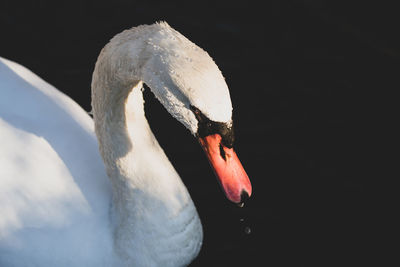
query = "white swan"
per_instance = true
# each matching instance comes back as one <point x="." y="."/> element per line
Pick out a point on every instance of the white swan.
<point x="57" y="206"/>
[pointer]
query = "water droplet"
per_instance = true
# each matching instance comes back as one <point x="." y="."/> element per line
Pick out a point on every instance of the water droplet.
<point x="247" y="230"/>
<point x="241" y="219"/>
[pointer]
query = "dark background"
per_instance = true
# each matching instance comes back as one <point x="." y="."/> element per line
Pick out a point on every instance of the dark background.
<point x="309" y="81"/>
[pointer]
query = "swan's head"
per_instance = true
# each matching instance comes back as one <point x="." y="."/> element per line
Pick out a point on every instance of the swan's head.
<point x="191" y="87"/>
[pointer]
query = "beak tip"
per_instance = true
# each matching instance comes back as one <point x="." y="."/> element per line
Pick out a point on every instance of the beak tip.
<point x="244" y="196"/>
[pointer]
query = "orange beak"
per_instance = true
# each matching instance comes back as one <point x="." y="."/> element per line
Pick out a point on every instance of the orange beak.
<point x="227" y="168"/>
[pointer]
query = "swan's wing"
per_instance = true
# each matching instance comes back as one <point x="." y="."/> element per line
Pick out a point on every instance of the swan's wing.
<point x="36" y="187"/>
<point x="54" y="193"/>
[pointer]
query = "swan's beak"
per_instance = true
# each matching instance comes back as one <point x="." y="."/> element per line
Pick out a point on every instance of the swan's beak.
<point x="227" y="168"/>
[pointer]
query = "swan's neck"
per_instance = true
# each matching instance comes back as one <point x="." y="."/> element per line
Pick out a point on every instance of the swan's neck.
<point x="154" y="219"/>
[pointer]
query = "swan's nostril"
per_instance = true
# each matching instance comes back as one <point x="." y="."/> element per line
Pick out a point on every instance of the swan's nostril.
<point x="222" y="151"/>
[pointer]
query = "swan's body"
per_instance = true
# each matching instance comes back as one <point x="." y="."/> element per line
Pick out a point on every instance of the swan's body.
<point x="58" y="207"/>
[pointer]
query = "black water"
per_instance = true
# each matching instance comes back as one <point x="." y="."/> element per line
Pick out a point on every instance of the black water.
<point x="307" y="80"/>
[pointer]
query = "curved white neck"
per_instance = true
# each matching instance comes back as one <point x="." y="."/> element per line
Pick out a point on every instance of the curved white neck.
<point x="152" y="213"/>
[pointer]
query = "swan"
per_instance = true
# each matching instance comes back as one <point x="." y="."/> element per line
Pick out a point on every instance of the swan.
<point x="63" y="203"/>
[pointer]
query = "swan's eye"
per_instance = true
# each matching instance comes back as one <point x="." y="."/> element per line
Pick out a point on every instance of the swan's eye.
<point x="195" y="110"/>
<point x="222" y="151"/>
